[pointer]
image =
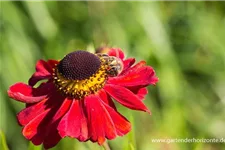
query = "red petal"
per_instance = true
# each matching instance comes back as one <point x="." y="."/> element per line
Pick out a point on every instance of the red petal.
<point x="128" y="63"/>
<point x="117" y="52"/>
<point x="47" y="132"/>
<point x="43" y="71"/>
<point x="27" y="94"/>
<point x="135" y="76"/>
<point x="106" y="98"/>
<point x="32" y="111"/>
<point x="134" y="68"/>
<point x="52" y="138"/>
<point x="28" y="114"/>
<point x="140" y="91"/>
<point x="125" y="97"/>
<point x="99" y="120"/>
<point x="74" y="123"/>
<point x="42" y="126"/>
<point x="122" y="125"/>
<point x="64" y="108"/>
<point x="49" y="140"/>
<point x="31" y="129"/>
<point x="37" y="139"/>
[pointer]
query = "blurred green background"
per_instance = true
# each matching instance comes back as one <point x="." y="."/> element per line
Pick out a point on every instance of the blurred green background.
<point x="183" y="41"/>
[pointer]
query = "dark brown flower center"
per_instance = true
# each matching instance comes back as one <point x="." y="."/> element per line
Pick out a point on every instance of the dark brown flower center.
<point x="79" y="74"/>
<point x="79" y="65"/>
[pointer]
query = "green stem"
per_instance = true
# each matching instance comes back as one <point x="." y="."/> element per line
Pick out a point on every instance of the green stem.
<point x="106" y="146"/>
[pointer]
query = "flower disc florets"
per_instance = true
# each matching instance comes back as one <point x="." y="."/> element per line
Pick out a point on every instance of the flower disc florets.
<point x="79" y="74"/>
<point x="79" y="65"/>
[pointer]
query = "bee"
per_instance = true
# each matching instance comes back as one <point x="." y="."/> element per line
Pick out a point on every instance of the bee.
<point x="115" y="65"/>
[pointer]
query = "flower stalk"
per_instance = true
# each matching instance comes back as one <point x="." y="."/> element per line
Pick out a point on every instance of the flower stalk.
<point x="106" y="146"/>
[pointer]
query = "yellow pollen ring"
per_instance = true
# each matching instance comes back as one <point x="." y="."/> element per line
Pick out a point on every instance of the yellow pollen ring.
<point x="78" y="89"/>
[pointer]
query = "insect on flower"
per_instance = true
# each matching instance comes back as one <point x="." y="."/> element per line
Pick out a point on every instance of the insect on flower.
<point x="77" y="98"/>
<point x="115" y="65"/>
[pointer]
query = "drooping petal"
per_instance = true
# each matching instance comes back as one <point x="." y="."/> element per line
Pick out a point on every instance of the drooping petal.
<point x="47" y="132"/>
<point x="122" y="125"/>
<point x="32" y="128"/>
<point x="117" y="52"/>
<point x="100" y="123"/>
<point x="135" y="76"/>
<point x="42" y="125"/>
<point x="28" y="114"/>
<point x="27" y="94"/>
<point x="32" y="111"/>
<point x="37" y="139"/>
<point x="74" y="123"/>
<point x="53" y="137"/>
<point x="106" y="98"/>
<point x="125" y="97"/>
<point x="49" y="140"/>
<point x="44" y="70"/>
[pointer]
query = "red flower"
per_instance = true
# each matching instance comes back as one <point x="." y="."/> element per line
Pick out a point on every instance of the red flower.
<point x="76" y="100"/>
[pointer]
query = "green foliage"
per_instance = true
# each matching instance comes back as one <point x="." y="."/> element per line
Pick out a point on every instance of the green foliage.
<point x="3" y="144"/>
<point x="183" y="41"/>
<point x="34" y="147"/>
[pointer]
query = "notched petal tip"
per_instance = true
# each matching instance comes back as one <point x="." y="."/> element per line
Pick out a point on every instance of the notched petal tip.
<point x="101" y="125"/>
<point x="122" y="125"/>
<point x="74" y="123"/>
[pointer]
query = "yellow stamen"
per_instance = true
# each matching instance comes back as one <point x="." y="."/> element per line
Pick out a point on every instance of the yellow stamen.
<point x="78" y="89"/>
